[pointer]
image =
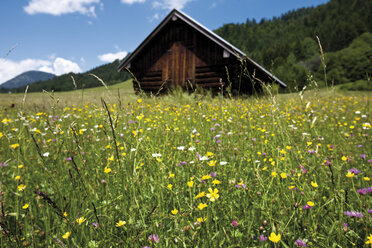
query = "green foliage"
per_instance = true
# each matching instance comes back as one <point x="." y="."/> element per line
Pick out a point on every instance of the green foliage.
<point x="339" y="24"/>
<point x="360" y="85"/>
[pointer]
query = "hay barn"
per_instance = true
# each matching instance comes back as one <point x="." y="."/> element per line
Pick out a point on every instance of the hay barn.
<point x="182" y="52"/>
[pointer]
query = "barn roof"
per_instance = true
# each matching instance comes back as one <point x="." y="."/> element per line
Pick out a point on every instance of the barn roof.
<point x="202" y="29"/>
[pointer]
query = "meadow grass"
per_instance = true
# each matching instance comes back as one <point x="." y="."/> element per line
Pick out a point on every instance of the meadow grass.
<point x="91" y="169"/>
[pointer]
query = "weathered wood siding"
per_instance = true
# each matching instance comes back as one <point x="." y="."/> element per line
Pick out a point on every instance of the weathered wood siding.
<point x="179" y="55"/>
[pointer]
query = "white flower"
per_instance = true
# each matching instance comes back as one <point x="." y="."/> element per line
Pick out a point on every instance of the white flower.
<point x="46" y="154"/>
<point x="181" y="148"/>
<point x="204" y="158"/>
<point x="223" y="163"/>
<point x="156" y="155"/>
<point x="357" y="112"/>
<point x="133" y="149"/>
<point x="192" y="148"/>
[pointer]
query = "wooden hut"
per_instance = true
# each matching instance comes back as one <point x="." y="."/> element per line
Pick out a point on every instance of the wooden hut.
<point x="182" y="52"/>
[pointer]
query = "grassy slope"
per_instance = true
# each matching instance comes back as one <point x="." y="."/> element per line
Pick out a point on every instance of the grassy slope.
<point x="76" y="97"/>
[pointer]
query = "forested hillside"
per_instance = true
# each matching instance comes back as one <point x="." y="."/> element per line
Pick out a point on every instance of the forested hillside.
<point x="108" y="73"/>
<point x="288" y="47"/>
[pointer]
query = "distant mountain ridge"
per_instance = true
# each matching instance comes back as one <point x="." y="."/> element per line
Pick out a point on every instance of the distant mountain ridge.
<point x="26" y="78"/>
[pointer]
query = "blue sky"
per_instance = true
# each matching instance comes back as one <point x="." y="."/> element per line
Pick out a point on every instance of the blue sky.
<point x="60" y="36"/>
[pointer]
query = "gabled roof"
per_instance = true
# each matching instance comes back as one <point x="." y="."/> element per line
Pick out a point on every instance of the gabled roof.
<point x="202" y="29"/>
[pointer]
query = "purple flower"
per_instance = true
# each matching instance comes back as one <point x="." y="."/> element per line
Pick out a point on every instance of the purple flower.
<point x="362" y="156"/>
<point x="95" y="224"/>
<point x="146" y="246"/>
<point x="254" y="139"/>
<point x="3" y="164"/>
<point x="328" y="163"/>
<point x="217" y="125"/>
<point x="312" y="151"/>
<point x="68" y="159"/>
<point x="103" y="181"/>
<point x="234" y="223"/>
<point x="131" y="122"/>
<point x="307" y="207"/>
<point x="154" y="238"/>
<point x="354" y="214"/>
<point x="213" y="174"/>
<point x="362" y="191"/>
<point x="355" y="171"/>
<point x="196" y="141"/>
<point x="369" y="211"/>
<point x="212" y="129"/>
<point x="218" y="141"/>
<point x="359" y="146"/>
<point x="262" y="238"/>
<point x="301" y="243"/>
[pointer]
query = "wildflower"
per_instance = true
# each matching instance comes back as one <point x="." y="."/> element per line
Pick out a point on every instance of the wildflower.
<point x="121" y="223"/>
<point x="283" y="175"/>
<point x="200" y="195"/>
<point x="190" y="184"/>
<point x="20" y="166"/>
<point x="174" y="211"/>
<point x="215" y="181"/>
<point x="212" y="163"/>
<point x="25" y="206"/>
<point x="21" y="187"/>
<point x="46" y="154"/>
<point x="350" y="174"/>
<point x="310" y="203"/>
<point x="213" y="194"/>
<point x="95" y="224"/>
<point x="66" y="235"/>
<point x="107" y="170"/>
<point x="369" y="239"/>
<point x="181" y="148"/>
<point x="344" y="158"/>
<point x="201" y="219"/>
<point x="274" y="238"/>
<point x="171" y="175"/>
<point x="206" y="177"/>
<point x="262" y="238"/>
<point x="274" y="174"/>
<point x="154" y="238"/>
<point x="202" y="205"/>
<point x="355" y="171"/>
<point x="354" y="214"/>
<point x="170" y="186"/>
<point x="14" y="146"/>
<point x="17" y="178"/>
<point x="301" y="243"/>
<point x="80" y="220"/>
<point x="139" y="100"/>
<point x="362" y="156"/>
<point x="307" y="207"/>
<point x="314" y="184"/>
<point x="234" y="223"/>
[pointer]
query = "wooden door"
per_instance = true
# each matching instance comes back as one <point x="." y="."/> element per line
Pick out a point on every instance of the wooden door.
<point x="177" y="64"/>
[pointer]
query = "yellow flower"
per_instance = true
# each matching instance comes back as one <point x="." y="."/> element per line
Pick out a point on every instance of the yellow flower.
<point x="107" y="170"/>
<point x="215" y="181"/>
<point x="369" y="239"/>
<point x="283" y="175"/>
<point x="314" y="184"/>
<point x="64" y="214"/>
<point x="291" y="187"/>
<point x="344" y="158"/>
<point x="366" y="178"/>
<point x="212" y="163"/>
<point x="121" y="223"/>
<point x="14" y="146"/>
<point x="209" y="154"/>
<point x="17" y="178"/>
<point x="274" y="174"/>
<point x="201" y="219"/>
<point x="171" y="175"/>
<point x="202" y="205"/>
<point x="350" y="174"/>
<point x="174" y="211"/>
<point x="170" y="186"/>
<point x="25" y="206"/>
<point x="21" y="187"/>
<point x="1" y="135"/>
<point x="20" y="166"/>
<point x="213" y="194"/>
<point x="264" y="168"/>
<point x="309" y="143"/>
<point x="190" y="184"/>
<point x="80" y="220"/>
<point x="200" y="195"/>
<point x="66" y="235"/>
<point x="206" y="177"/>
<point x="310" y="203"/>
<point x="274" y="238"/>
<point x="139" y="100"/>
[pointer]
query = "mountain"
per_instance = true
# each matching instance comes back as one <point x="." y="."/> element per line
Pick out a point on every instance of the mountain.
<point x="107" y="73"/>
<point x="28" y="77"/>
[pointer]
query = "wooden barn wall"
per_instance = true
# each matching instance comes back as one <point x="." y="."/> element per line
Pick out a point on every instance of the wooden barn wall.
<point x="180" y="55"/>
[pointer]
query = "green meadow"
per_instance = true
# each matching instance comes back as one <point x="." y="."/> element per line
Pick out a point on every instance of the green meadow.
<point x="103" y="167"/>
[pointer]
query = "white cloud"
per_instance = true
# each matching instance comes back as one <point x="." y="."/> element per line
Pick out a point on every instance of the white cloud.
<point x="60" y="7"/>
<point x="132" y="1"/>
<point x="10" y="69"/>
<point x="110" y="57"/>
<point x="171" y="4"/>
